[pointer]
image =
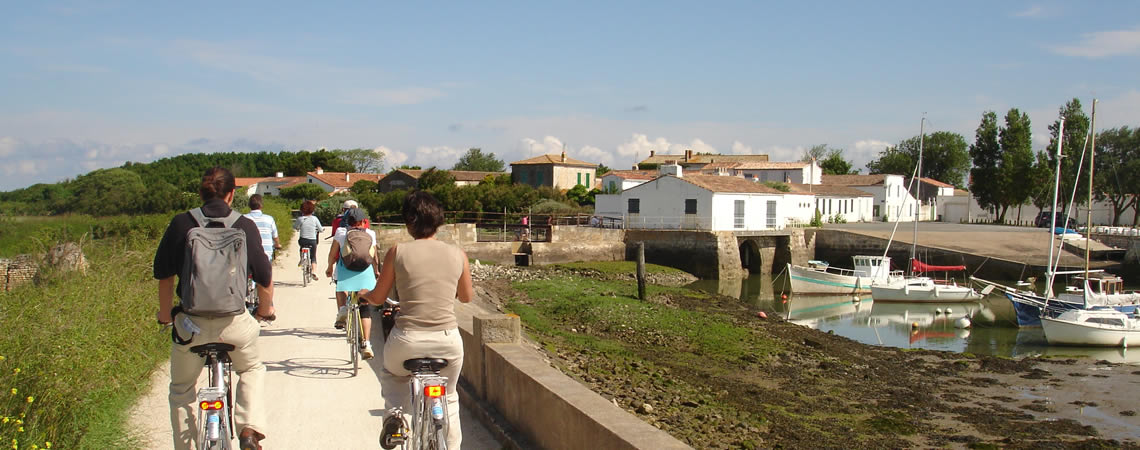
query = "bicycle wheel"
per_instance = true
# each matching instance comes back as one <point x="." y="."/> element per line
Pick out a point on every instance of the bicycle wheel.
<point x="439" y="438"/>
<point x="306" y="272"/>
<point x="354" y="337"/>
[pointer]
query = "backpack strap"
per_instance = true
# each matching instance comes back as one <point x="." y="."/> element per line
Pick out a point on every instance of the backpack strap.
<point x="227" y="222"/>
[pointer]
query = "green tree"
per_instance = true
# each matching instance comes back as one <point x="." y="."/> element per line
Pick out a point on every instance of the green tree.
<point x="945" y="158"/>
<point x="363" y="160"/>
<point x="985" y="154"/>
<point x="303" y="192"/>
<point x="580" y="195"/>
<point x="108" y="192"/>
<point x="782" y="187"/>
<point x="363" y="186"/>
<point x="1118" y="170"/>
<point x="434" y="177"/>
<point x="1016" y="162"/>
<point x="602" y="170"/>
<point x="835" y="164"/>
<point x="1073" y="141"/>
<point x="816" y="153"/>
<point x="475" y="160"/>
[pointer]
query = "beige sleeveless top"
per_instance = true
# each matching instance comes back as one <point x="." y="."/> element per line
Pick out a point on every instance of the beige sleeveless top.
<point x="427" y="275"/>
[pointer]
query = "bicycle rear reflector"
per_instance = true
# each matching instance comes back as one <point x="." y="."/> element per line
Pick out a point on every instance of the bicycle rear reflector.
<point x="207" y="406"/>
<point x="434" y="391"/>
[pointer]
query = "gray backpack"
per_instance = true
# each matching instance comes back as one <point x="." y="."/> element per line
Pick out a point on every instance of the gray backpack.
<point x="356" y="253"/>
<point x="214" y="271"/>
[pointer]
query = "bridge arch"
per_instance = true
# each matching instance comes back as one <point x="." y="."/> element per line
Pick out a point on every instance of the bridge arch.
<point x="750" y="258"/>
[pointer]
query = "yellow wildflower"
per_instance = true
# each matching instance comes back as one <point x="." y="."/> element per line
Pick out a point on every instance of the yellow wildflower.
<point x="21" y="429"/>
<point x="31" y="399"/>
<point x="14" y="391"/>
<point x="16" y="371"/>
<point x="47" y="444"/>
<point x="6" y="419"/>
<point x="2" y="358"/>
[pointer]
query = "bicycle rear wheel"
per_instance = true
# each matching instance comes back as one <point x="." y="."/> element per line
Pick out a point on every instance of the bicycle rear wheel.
<point x="306" y="272"/>
<point x="354" y="340"/>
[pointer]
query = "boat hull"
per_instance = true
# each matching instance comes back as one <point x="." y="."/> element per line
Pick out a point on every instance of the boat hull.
<point x="923" y="291"/>
<point x="810" y="281"/>
<point x="1066" y="332"/>
<point x="1028" y="309"/>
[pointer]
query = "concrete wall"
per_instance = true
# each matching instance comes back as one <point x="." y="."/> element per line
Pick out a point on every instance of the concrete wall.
<point x="570" y="243"/>
<point x="705" y="254"/>
<point x="552" y="410"/>
<point x="837" y="246"/>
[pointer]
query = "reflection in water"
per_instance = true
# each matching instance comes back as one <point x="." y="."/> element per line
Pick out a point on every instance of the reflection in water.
<point x="992" y="331"/>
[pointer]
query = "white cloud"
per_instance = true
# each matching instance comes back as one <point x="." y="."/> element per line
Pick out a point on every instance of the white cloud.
<point x="443" y="157"/>
<point x="392" y="158"/>
<point x="1032" y="11"/>
<point x="594" y="155"/>
<point x="7" y="146"/>
<point x="390" y="97"/>
<point x="1103" y="44"/>
<point x="738" y="148"/>
<point x="639" y="146"/>
<point x="549" y="145"/>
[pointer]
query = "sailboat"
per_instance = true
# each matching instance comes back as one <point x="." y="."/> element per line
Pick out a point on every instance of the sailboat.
<point x="1095" y="288"/>
<point x="818" y="277"/>
<point x="914" y="288"/>
<point x="1098" y="325"/>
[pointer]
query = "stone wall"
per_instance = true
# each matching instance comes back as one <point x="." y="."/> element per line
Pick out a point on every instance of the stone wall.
<point x="570" y="243"/>
<point x="708" y="255"/>
<point x="16" y="271"/>
<point x="837" y="247"/>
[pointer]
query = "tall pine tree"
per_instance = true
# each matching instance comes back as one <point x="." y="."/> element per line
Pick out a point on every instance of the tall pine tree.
<point x="986" y="156"/>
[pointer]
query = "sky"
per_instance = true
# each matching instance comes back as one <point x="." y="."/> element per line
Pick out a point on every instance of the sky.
<point x="92" y="84"/>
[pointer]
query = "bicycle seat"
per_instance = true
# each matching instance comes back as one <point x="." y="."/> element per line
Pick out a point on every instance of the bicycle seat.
<point x="425" y="364"/>
<point x="213" y="347"/>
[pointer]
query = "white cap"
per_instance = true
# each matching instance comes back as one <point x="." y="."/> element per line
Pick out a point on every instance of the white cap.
<point x="349" y="204"/>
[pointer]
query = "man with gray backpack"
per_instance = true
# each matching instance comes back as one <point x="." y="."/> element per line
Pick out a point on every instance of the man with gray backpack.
<point x="214" y="251"/>
<point x="353" y="257"/>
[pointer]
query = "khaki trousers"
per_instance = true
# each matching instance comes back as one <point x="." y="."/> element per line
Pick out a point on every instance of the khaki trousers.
<point x="395" y="381"/>
<point x="185" y="367"/>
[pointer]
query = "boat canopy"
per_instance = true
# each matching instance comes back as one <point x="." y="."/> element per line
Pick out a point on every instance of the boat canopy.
<point x="917" y="266"/>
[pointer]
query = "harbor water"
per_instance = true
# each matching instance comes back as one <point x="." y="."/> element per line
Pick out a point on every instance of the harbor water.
<point x="992" y="329"/>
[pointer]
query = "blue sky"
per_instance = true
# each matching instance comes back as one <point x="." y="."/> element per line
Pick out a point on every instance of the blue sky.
<point x="87" y="85"/>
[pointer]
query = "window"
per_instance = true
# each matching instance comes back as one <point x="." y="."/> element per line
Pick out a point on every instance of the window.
<point x="579" y="177"/>
<point x="771" y="214"/>
<point x="690" y="206"/>
<point x="539" y="177"/>
<point x="613" y="186"/>
<point x="738" y="217"/>
<point x="634" y="206"/>
<point x="588" y="179"/>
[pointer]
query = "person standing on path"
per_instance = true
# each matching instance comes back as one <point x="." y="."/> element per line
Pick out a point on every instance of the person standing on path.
<point x="348" y="280"/>
<point x="241" y="330"/>
<point x="309" y="228"/>
<point x="429" y="275"/>
<point x="265" y="224"/>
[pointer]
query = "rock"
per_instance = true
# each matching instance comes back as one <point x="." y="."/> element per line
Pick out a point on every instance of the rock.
<point x="616" y="403"/>
<point x="690" y="403"/>
<point x="645" y="408"/>
<point x="761" y="314"/>
<point x="67" y="257"/>
<point x="812" y="343"/>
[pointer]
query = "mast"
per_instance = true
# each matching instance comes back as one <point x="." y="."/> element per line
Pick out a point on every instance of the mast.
<point x="1088" y="217"/>
<point x="1053" y="217"/>
<point x="917" y="189"/>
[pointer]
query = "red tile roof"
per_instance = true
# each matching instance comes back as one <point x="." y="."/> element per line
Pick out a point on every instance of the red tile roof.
<point x="717" y="183"/>
<point x="555" y="160"/>
<point x="703" y="159"/>
<point x="759" y="165"/>
<point x="827" y="190"/>
<point x="632" y="174"/>
<point x="460" y="175"/>
<point x="934" y="182"/>
<point x="854" y="180"/>
<point x="338" y="180"/>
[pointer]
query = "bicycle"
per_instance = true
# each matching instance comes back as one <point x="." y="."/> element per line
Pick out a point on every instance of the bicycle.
<point x="215" y="415"/>
<point x="354" y="332"/>
<point x="429" y="408"/>
<point x="388" y="314"/>
<point x="306" y="267"/>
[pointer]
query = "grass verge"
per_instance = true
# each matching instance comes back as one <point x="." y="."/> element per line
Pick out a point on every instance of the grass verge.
<point x="617" y="267"/>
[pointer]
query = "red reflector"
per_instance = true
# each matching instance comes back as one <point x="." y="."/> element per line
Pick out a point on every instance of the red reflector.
<point x="434" y="391"/>
<point x="206" y="406"/>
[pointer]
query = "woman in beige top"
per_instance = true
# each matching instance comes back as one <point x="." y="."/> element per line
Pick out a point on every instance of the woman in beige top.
<point x="429" y="275"/>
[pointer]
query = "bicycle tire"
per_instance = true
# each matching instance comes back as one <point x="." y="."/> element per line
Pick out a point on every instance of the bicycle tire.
<point x="354" y="337"/>
<point x="306" y="272"/>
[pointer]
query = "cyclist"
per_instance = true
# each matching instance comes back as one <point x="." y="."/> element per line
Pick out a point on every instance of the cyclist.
<point x="310" y="228"/>
<point x="430" y="275"/>
<point x="354" y="281"/>
<point x="216" y="191"/>
<point x="341" y="297"/>
<point x="265" y="224"/>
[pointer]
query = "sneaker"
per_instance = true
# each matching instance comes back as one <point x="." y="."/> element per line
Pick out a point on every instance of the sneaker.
<point x="314" y="276"/>
<point x="250" y="440"/>
<point x="341" y="316"/>
<point x="392" y="435"/>
<point x="366" y="350"/>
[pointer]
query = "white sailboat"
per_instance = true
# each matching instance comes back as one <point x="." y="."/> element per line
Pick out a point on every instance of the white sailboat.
<point x="913" y="288"/>
<point x="821" y="278"/>
<point x="1091" y="325"/>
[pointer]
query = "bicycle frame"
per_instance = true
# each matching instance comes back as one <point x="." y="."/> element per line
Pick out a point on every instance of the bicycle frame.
<point x="306" y="266"/>
<point x="429" y="425"/>
<point x="353" y="332"/>
<point x="215" y="415"/>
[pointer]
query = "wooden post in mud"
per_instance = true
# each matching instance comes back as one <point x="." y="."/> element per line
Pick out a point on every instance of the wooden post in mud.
<point x="641" y="271"/>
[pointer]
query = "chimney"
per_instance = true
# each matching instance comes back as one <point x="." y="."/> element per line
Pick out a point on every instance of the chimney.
<point x="346" y="177"/>
<point x="564" y="156"/>
<point x="320" y="170"/>
<point x="688" y="155"/>
<point x="651" y="152"/>
<point x="280" y="174"/>
<point x="671" y="168"/>
<point x="635" y="167"/>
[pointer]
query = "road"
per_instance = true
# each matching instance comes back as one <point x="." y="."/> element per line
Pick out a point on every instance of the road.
<point x="314" y="401"/>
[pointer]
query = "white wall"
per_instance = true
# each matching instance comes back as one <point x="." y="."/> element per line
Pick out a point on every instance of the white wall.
<point x="619" y="182"/>
<point x="850" y="209"/>
<point x="798" y="208"/>
<point x="755" y="212"/>
<point x="662" y="205"/>
<point x="890" y="196"/>
<point x="953" y="210"/>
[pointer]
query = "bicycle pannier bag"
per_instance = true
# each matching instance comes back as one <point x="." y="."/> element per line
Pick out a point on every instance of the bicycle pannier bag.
<point x="356" y="252"/>
<point x="214" y="271"/>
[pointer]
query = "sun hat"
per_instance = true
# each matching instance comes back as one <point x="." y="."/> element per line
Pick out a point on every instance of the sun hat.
<point x="349" y="204"/>
<point x="354" y="216"/>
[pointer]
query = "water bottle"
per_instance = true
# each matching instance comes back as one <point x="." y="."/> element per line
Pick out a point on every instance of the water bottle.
<point x="437" y="409"/>
<point x="212" y="423"/>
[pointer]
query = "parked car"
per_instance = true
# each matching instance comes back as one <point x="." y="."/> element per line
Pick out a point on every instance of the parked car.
<point x="1042" y="220"/>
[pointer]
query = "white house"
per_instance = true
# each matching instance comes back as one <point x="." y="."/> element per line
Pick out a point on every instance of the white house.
<point x="267" y="185"/>
<point x="891" y="199"/>
<point x="835" y="201"/>
<point x="696" y="202"/>
<point x="616" y="181"/>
